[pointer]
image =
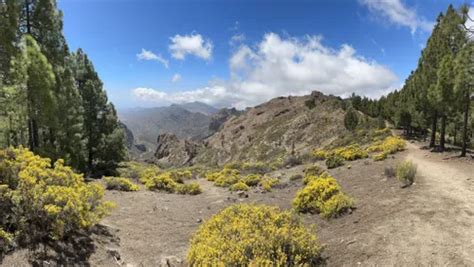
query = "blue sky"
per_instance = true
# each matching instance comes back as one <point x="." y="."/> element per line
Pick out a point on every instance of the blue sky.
<point x="240" y="53"/>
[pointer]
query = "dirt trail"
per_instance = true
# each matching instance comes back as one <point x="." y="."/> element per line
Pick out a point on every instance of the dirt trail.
<point x="436" y="225"/>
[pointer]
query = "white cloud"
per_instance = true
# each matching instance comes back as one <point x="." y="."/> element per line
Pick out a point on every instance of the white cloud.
<point x="148" y="55"/>
<point x="176" y="78"/>
<point x="397" y="13"/>
<point x="286" y="66"/>
<point x="470" y="21"/>
<point x="194" y="44"/>
<point x="237" y="39"/>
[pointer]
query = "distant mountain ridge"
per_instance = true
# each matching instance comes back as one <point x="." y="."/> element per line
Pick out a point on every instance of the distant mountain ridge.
<point x="186" y="121"/>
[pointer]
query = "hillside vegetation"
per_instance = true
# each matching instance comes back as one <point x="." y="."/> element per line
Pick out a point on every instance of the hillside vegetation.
<point x="284" y="127"/>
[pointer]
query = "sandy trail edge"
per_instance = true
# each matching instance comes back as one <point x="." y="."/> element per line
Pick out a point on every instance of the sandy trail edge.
<point x="436" y="228"/>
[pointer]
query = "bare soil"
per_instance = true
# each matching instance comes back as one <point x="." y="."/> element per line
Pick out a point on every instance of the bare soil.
<point x="428" y="223"/>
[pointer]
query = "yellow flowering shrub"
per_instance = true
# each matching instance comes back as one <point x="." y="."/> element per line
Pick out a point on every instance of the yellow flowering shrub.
<point x="181" y="176"/>
<point x="322" y="195"/>
<point x="189" y="189"/>
<point x="6" y="240"/>
<point x="161" y="182"/>
<point x="255" y="167"/>
<point x="380" y="156"/>
<point x="239" y="186"/>
<point x="313" y="170"/>
<point x="321" y="154"/>
<point x="351" y="152"/>
<point x="389" y="145"/>
<point x="254" y="235"/>
<point x="135" y="170"/>
<point x="252" y="179"/>
<point x="309" y="178"/>
<point x="40" y="200"/>
<point x="267" y="183"/>
<point x="120" y="184"/>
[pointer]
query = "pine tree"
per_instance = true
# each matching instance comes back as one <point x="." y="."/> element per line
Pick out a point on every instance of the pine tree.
<point x="40" y="98"/>
<point x="464" y="87"/>
<point x="351" y="120"/>
<point x="442" y="94"/>
<point x="103" y="137"/>
<point x="9" y="12"/>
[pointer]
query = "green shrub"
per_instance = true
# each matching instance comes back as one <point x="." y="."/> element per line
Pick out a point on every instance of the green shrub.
<point x="181" y="176"/>
<point x="239" y="186"/>
<point x="295" y="177"/>
<point x="380" y="156"/>
<point x="120" y="184"/>
<point x="406" y="172"/>
<point x="334" y="161"/>
<point x="322" y="195"/>
<point x="189" y="189"/>
<point x="6" y="240"/>
<point x="40" y="201"/>
<point x="134" y="170"/>
<point x="252" y="179"/>
<point x="313" y="170"/>
<point x="255" y="167"/>
<point x="292" y="161"/>
<point x="226" y="180"/>
<point x="266" y="237"/>
<point x="267" y="183"/>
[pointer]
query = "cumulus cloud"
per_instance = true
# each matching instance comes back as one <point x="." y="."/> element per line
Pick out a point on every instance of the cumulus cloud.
<point x="286" y="66"/>
<point x="148" y="55"/>
<point x="176" y="78"/>
<point x="399" y="14"/>
<point x="193" y="44"/>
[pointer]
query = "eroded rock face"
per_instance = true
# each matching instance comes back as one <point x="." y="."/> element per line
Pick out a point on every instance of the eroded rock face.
<point x="220" y="117"/>
<point x="128" y="135"/>
<point x="172" y="151"/>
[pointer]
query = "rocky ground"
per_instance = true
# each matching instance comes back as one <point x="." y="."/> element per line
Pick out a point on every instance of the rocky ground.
<point x="428" y="223"/>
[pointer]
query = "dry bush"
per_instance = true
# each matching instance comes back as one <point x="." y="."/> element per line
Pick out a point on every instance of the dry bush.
<point x="406" y="172"/>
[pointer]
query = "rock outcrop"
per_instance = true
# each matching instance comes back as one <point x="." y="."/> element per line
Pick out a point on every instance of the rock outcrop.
<point x="172" y="151"/>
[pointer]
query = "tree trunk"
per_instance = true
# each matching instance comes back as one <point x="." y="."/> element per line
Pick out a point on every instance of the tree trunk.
<point x="464" y="130"/>
<point x="455" y="133"/>
<point x="433" y="131"/>
<point x="27" y="11"/>
<point x="442" y="139"/>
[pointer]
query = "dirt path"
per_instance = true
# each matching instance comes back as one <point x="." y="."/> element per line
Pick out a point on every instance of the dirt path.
<point x="436" y="225"/>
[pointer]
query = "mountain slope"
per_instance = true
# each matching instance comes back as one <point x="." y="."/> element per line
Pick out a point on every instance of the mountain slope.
<point x="146" y="124"/>
<point x="280" y="127"/>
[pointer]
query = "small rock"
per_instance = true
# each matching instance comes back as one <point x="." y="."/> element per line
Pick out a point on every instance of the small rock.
<point x="242" y="194"/>
<point x="199" y="220"/>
